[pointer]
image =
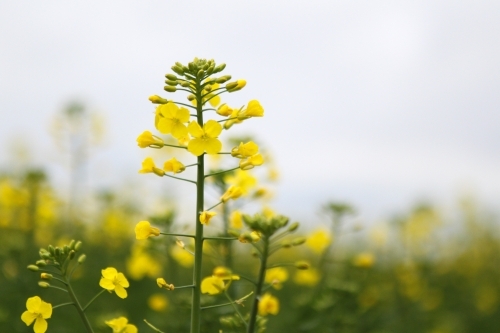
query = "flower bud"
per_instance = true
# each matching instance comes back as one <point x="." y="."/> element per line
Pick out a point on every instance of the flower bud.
<point x="208" y="88"/>
<point x="286" y="244"/>
<point x="210" y="70"/>
<point x="302" y="265"/>
<point x="57" y="251"/>
<point x="294" y="226"/>
<point x="191" y="97"/>
<point x="41" y="263"/>
<point x="72" y="244"/>
<point x="178" y="69"/>
<point x="231" y="85"/>
<point x="170" y="89"/>
<point x="71" y="254"/>
<point x="171" y="77"/>
<point x="158" y="172"/>
<point x="51" y="250"/>
<point x="46" y="276"/>
<point x="65" y="249"/>
<point x="223" y="79"/>
<point x="155" y="99"/>
<point x="81" y="259"/>
<point x="171" y="83"/>
<point x="298" y="241"/>
<point x="219" y="68"/>
<point x="185" y="84"/>
<point x="44" y="284"/>
<point x="78" y="246"/>
<point x="33" y="268"/>
<point x="163" y="284"/>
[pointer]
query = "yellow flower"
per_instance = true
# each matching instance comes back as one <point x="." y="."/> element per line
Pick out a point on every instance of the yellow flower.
<point x="142" y="264"/>
<point x="233" y="119"/>
<point x="172" y="165"/>
<point x="158" y="302"/>
<point x="112" y="280"/>
<point x="172" y="119"/>
<point x="245" y="150"/>
<point x="231" y="87"/>
<point x="268" y="305"/>
<point x="225" y="273"/>
<point x="206" y="216"/>
<point x="121" y="325"/>
<point x="212" y="285"/>
<point x="318" y="241"/>
<point x="236" y="220"/>
<point x="213" y="100"/>
<point x="183" y="257"/>
<point x="155" y="99"/>
<point x="205" y="139"/>
<point x="251" y="162"/>
<point x="37" y="311"/>
<point x="243" y="180"/>
<point x="233" y="192"/>
<point x="147" y="139"/>
<point x="364" y="260"/>
<point x="276" y="276"/>
<point x="148" y="166"/>
<point x="254" y="109"/>
<point x="163" y="284"/>
<point x="143" y="230"/>
<point x="224" y="110"/>
<point x="309" y="277"/>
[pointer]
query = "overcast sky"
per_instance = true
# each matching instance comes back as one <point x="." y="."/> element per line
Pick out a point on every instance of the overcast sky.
<point x="379" y="103"/>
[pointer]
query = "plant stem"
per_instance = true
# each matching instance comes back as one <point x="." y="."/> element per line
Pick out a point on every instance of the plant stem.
<point x="260" y="284"/>
<point x="79" y="309"/>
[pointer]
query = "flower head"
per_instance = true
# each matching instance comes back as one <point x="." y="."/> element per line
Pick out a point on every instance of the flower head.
<point x="233" y="192"/>
<point x="364" y="260"/>
<point x="309" y="277"/>
<point x="224" y="110"/>
<point x="254" y="109"/>
<point x="251" y="162"/>
<point x="276" y="276"/>
<point x="148" y="166"/>
<point x="144" y="230"/>
<point x="212" y="285"/>
<point x="318" y="241"/>
<point x="172" y="165"/>
<point x="245" y="150"/>
<point x="147" y="139"/>
<point x="121" y="325"/>
<point x="268" y="305"/>
<point x="205" y="139"/>
<point x="112" y="280"/>
<point x="163" y="284"/>
<point x="37" y="311"/>
<point x="172" y="120"/>
<point x="206" y="216"/>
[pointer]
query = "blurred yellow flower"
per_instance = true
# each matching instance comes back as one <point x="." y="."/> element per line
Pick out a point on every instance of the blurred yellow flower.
<point x="206" y="216"/>
<point x="148" y="166"/>
<point x="212" y="285"/>
<point x="242" y="179"/>
<point x="172" y="165"/>
<point x="37" y="311"/>
<point x="158" y="302"/>
<point x="205" y="139"/>
<point x="251" y="162"/>
<point x="245" y="150"/>
<point x="236" y="220"/>
<point x="254" y="109"/>
<point x="112" y="280"/>
<point x="121" y="325"/>
<point x="233" y="192"/>
<point x="308" y="278"/>
<point x="141" y="264"/>
<point x="276" y="276"/>
<point x="318" y="241"/>
<point x="268" y="304"/>
<point x="268" y="212"/>
<point x="173" y="119"/>
<point x="364" y="260"/>
<point x="164" y="285"/>
<point x="225" y="273"/>
<point x="147" y="139"/>
<point x="183" y="257"/>
<point x="144" y="230"/>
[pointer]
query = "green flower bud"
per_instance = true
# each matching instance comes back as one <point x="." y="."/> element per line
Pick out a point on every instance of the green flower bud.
<point x="51" y="250"/>
<point x="223" y="79"/>
<point x="294" y="226"/>
<point x="72" y="244"/>
<point x="210" y="70"/>
<point x="170" y="89"/>
<point x="178" y="69"/>
<point x="57" y="251"/>
<point x="302" y="265"/>
<point x="201" y="72"/>
<point x="219" y="68"/>
<point x="44" y="284"/>
<point x="231" y="85"/>
<point x="191" y="97"/>
<point x="33" y="268"/>
<point x="71" y="254"/>
<point x="46" y="276"/>
<point x="81" y="259"/>
<point x="41" y="263"/>
<point x="78" y="246"/>
<point x="208" y="88"/>
<point x="298" y="241"/>
<point x="65" y="249"/>
<point x="185" y="84"/>
<point x="192" y="67"/>
<point x="171" y="77"/>
<point x="286" y="244"/>
<point x="205" y="67"/>
<point x="171" y="83"/>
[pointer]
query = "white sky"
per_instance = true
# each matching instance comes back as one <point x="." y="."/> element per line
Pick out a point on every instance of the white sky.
<point x="376" y="103"/>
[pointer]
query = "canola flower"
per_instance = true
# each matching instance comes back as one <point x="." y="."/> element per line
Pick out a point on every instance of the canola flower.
<point x="172" y="120"/>
<point x="147" y="139"/>
<point x="318" y="241"/>
<point x="174" y="166"/>
<point x="144" y="230"/>
<point x="276" y="276"/>
<point x="148" y="166"/>
<point x="37" y="311"/>
<point x="206" y="216"/>
<point x="269" y="305"/>
<point x="233" y="192"/>
<point x="205" y="139"/>
<point x="112" y="280"/>
<point x="121" y="325"/>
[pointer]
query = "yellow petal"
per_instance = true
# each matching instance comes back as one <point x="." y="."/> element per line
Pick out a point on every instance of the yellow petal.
<point x="40" y="325"/>
<point x="212" y="128"/>
<point x="195" y="129"/>
<point x="183" y="115"/>
<point x="212" y="285"/>
<point x="179" y="130"/>
<point x="33" y="304"/>
<point x="122" y="280"/>
<point x="213" y="146"/>
<point x="28" y="317"/>
<point x="130" y="329"/>
<point x="107" y="284"/>
<point x="46" y="310"/>
<point x="196" y="146"/>
<point x="109" y="273"/>
<point x="120" y="291"/>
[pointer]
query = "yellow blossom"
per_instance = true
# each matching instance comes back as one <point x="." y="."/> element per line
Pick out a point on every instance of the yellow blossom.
<point x="236" y="220"/>
<point x="233" y="119"/>
<point x="245" y="150"/>
<point x="155" y="99"/>
<point x="233" y="192"/>
<point x="183" y="257"/>
<point x="147" y="139"/>
<point x="143" y="230"/>
<point x="268" y="212"/>
<point x="243" y="180"/>
<point x="318" y="241"/>
<point x="235" y="86"/>
<point x="212" y="285"/>
<point x="172" y="120"/>
<point x="121" y="325"/>
<point x="112" y="280"/>
<point x="276" y="276"/>
<point x="172" y="165"/>
<point x="254" y="109"/>
<point x="225" y="273"/>
<point x="364" y="260"/>
<point x="206" y="216"/>
<point x="163" y="284"/>
<point x="184" y="141"/>
<point x="205" y="139"/>
<point x="148" y="166"/>
<point x="142" y="264"/>
<point x="224" y="110"/>
<point x="157" y="302"/>
<point x="211" y="98"/>
<point x="37" y="311"/>
<point x="251" y="162"/>
<point x="268" y="304"/>
<point x="309" y="277"/>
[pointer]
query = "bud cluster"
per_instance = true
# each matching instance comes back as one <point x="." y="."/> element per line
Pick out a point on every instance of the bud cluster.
<point x="265" y="225"/>
<point x="58" y="257"/>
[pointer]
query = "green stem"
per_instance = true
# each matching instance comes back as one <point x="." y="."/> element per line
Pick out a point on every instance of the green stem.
<point x="79" y="309"/>
<point x="151" y="325"/>
<point x="175" y="146"/>
<point x="54" y="287"/>
<point x="180" y="235"/>
<point x="221" y="238"/>
<point x="258" y="289"/>
<point x="215" y="205"/>
<point x="182" y="287"/>
<point x="235" y="308"/>
<point x="93" y="299"/>
<point x="218" y="173"/>
<point x="61" y="305"/>
<point x="186" y="180"/>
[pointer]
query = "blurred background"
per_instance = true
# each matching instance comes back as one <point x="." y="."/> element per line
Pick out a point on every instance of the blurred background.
<point x="392" y="107"/>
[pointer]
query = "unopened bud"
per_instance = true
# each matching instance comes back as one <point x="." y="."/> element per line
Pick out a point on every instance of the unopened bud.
<point x="71" y="254"/>
<point x="298" y="241"/>
<point x="164" y="285"/>
<point x="33" y="268"/>
<point x="223" y="79"/>
<point x="158" y="172"/>
<point x="294" y="226"/>
<point x="57" y="251"/>
<point x="46" y="276"/>
<point x="210" y="70"/>
<point x="171" y="77"/>
<point x="302" y="265"/>
<point x="201" y="72"/>
<point x="51" y="250"/>
<point x="219" y="68"/>
<point x="41" y="263"/>
<point x="43" y="284"/>
<point x="286" y="244"/>
<point x="72" y="244"/>
<point x="191" y="97"/>
<point x="208" y="88"/>
<point x="81" y="259"/>
<point x="185" y="84"/>
<point x="78" y="246"/>
<point x="65" y="249"/>
<point x="170" y="89"/>
<point x="178" y="70"/>
<point x="231" y="85"/>
<point x="171" y="83"/>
